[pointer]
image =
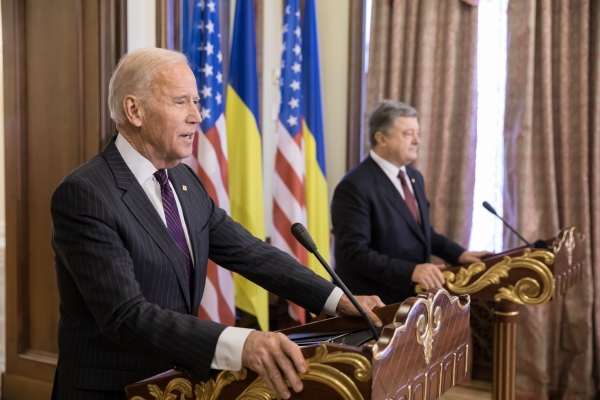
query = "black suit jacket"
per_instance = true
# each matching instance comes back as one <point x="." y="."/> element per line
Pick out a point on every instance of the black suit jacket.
<point x="378" y="243"/>
<point x="126" y="309"/>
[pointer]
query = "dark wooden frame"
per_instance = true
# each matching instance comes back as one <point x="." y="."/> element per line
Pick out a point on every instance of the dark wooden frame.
<point x="100" y="29"/>
<point x="356" y="83"/>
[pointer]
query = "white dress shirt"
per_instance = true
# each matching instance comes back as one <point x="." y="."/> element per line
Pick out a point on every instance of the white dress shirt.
<point x="392" y="172"/>
<point x="228" y="353"/>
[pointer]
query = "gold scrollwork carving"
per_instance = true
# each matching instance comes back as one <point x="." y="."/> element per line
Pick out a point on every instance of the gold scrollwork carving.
<point x="525" y="291"/>
<point x="322" y="373"/>
<point x="428" y="324"/>
<point x="178" y="384"/>
<point x="258" y="390"/>
<point x="569" y="239"/>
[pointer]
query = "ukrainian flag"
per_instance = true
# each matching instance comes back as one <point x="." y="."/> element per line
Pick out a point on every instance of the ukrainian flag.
<point x="317" y="202"/>
<point x="245" y="151"/>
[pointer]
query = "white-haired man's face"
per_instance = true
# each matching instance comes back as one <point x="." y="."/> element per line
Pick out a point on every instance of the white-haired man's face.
<point x="170" y="118"/>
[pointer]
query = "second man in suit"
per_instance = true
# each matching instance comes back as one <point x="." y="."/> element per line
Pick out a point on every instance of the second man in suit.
<point x="383" y="237"/>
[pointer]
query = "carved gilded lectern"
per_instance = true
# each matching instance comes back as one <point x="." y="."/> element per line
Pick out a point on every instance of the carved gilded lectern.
<point x="422" y="352"/>
<point x="523" y="275"/>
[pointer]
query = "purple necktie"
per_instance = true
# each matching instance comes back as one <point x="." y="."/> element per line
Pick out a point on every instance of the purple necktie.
<point x="409" y="198"/>
<point x="173" y="221"/>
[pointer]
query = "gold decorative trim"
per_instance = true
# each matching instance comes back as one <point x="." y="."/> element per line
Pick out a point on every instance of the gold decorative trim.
<point x="525" y="291"/>
<point x="258" y="390"/>
<point x="568" y="238"/>
<point x="506" y="314"/>
<point x="181" y="385"/>
<point x="428" y="324"/>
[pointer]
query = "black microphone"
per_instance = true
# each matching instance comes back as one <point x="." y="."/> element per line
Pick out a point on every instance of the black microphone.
<point x="489" y="207"/>
<point x="303" y="237"/>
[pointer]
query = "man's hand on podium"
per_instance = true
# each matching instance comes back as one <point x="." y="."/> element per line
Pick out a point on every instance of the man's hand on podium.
<point x="470" y="257"/>
<point x="429" y="276"/>
<point x="275" y="358"/>
<point x="368" y="303"/>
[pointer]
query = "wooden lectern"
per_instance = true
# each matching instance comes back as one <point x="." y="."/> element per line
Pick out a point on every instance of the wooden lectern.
<point x="523" y="275"/>
<point x="421" y="353"/>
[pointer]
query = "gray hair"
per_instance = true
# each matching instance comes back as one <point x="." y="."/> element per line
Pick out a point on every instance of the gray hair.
<point x="384" y="117"/>
<point x="134" y="76"/>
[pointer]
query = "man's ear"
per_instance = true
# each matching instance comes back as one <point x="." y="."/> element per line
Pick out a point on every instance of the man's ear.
<point x="380" y="139"/>
<point x="133" y="110"/>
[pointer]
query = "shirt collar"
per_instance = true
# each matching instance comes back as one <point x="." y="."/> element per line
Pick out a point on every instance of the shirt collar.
<point x="390" y="169"/>
<point x="141" y="167"/>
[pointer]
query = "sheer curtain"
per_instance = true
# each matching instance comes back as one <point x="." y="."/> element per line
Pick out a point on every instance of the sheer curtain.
<point x="486" y="231"/>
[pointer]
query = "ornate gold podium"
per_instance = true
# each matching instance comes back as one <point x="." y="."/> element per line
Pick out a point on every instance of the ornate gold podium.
<point x="519" y="276"/>
<point x="421" y="353"/>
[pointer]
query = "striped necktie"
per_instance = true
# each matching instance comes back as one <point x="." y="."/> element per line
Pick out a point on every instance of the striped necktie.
<point x="173" y="221"/>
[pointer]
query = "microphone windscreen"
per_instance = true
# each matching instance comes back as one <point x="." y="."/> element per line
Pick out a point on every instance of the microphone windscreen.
<point x="489" y="207"/>
<point x="303" y="237"/>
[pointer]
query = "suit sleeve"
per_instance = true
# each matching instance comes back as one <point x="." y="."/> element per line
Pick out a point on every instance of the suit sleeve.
<point x="445" y="248"/>
<point x="441" y="246"/>
<point x="236" y="249"/>
<point x="86" y="242"/>
<point x="350" y="213"/>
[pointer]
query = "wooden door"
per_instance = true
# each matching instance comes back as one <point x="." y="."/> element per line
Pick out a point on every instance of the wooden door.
<point x="58" y="57"/>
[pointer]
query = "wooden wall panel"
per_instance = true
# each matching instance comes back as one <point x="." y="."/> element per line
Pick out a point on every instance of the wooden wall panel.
<point x="58" y="57"/>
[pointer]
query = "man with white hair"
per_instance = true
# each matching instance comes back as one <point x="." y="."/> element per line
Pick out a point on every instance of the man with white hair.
<point x="133" y="229"/>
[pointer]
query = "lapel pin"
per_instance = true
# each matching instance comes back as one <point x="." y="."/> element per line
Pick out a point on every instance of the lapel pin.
<point x="184" y="188"/>
<point x="412" y="180"/>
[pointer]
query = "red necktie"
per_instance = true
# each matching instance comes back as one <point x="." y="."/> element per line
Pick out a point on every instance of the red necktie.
<point x="409" y="198"/>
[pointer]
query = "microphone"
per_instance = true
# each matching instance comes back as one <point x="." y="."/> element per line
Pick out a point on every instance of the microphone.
<point x="303" y="237"/>
<point x="489" y="207"/>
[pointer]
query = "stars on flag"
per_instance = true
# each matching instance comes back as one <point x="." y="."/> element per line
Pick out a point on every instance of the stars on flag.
<point x="290" y="81"/>
<point x="208" y="70"/>
<point x="294" y="103"/>
<point x="206" y="91"/>
<point x="206" y="53"/>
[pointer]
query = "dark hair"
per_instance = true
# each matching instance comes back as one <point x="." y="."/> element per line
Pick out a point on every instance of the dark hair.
<point x="384" y="116"/>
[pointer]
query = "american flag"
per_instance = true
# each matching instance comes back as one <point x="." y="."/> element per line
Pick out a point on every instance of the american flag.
<point x="210" y="145"/>
<point x="289" y="204"/>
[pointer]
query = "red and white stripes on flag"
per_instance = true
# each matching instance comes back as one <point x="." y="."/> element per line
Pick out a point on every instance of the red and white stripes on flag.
<point x="210" y="162"/>
<point x="202" y="46"/>
<point x="289" y="193"/>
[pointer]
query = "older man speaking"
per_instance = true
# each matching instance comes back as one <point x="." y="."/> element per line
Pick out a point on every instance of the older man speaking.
<point x="133" y="229"/>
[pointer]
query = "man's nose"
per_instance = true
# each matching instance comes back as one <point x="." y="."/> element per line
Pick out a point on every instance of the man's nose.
<point x="195" y="117"/>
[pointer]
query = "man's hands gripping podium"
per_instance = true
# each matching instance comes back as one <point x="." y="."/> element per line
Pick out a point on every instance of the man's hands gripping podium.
<point x="277" y="359"/>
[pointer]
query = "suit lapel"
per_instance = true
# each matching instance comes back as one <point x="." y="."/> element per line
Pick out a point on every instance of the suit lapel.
<point x="140" y="206"/>
<point x="392" y="195"/>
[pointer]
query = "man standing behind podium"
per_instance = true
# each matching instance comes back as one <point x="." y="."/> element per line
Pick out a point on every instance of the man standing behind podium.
<point x="133" y="229"/>
<point x="383" y="237"/>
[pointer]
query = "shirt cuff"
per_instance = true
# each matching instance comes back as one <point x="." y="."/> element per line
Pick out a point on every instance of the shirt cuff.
<point x="332" y="301"/>
<point x="228" y="354"/>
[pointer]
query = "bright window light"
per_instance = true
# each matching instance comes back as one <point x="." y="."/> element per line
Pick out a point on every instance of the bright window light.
<point x="486" y="233"/>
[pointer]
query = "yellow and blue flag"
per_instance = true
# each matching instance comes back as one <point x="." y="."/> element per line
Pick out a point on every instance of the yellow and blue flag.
<point x="317" y="202"/>
<point x="245" y="151"/>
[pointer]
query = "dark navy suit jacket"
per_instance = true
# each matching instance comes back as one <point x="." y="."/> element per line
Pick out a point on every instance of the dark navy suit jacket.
<point x="126" y="311"/>
<point x="378" y="243"/>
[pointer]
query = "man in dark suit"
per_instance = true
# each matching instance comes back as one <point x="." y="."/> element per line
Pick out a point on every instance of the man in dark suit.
<point x="383" y="236"/>
<point x="133" y="229"/>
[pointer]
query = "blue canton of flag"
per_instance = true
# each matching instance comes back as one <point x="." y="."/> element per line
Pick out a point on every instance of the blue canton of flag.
<point x="291" y="61"/>
<point x="205" y="51"/>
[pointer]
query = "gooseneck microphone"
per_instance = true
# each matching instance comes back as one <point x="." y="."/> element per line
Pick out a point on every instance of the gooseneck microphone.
<point x="489" y="207"/>
<point x="303" y="237"/>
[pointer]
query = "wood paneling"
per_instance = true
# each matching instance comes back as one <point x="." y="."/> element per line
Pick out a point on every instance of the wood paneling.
<point x="356" y="83"/>
<point x="58" y="57"/>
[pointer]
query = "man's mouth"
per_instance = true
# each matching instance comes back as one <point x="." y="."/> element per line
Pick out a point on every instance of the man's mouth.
<point x="189" y="136"/>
